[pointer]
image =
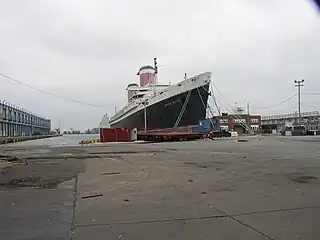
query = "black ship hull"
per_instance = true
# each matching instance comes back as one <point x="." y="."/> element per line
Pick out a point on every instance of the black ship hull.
<point x="165" y="113"/>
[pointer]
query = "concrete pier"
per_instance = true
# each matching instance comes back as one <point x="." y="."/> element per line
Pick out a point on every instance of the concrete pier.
<point x="15" y="122"/>
<point x="263" y="188"/>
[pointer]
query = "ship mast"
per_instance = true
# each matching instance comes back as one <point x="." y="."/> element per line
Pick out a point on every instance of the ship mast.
<point x="155" y="80"/>
<point x="155" y="70"/>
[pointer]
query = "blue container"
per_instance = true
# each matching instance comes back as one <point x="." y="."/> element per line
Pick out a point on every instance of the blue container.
<point x="201" y="129"/>
<point x="206" y="123"/>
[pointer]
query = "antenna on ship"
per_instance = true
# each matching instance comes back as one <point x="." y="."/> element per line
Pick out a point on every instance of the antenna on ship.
<point x="155" y="70"/>
<point x="155" y="79"/>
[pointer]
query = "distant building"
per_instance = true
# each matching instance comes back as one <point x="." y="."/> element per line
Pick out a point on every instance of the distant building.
<point x="15" y="121"/>
<point x="71" y="131"/>
<point x="238" y="122"/>
<point x="92" y="131"/>
<point x="280" y="123"/>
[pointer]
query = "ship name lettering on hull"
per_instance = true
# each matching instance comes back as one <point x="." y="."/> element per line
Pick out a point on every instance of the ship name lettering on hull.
<point x="172" y="102"/>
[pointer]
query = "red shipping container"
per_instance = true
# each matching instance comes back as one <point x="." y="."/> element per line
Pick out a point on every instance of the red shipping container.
<point x="101" y="134"/>
<point x="123" y="135"/>
<point x="115" y="135"/>
<point x="108" y="135"/>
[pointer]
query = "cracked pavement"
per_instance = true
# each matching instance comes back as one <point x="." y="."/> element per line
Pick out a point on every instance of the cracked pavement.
<point x="266" y="188"/>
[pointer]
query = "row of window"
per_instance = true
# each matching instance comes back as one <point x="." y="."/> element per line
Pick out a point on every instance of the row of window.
<point x="22" y="118"/>
<point x="305" y="120"/>
<point x="252" y="120"/>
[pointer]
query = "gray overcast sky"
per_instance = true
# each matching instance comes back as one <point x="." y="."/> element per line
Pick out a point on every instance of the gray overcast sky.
<point x="91" y="50"/>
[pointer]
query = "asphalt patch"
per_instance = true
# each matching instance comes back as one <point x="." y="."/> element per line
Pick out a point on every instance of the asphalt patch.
<point x="304" y="179"/>
<point x="12" y="159"/>
<point x="40" y="174"/>
<point x="31" y="182"/>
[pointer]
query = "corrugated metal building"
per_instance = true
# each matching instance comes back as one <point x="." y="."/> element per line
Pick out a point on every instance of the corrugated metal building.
<point x="18" y="122"/>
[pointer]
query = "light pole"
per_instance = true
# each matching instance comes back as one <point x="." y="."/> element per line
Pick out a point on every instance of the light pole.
<point x="145" y="103"/>
<point x="299" y="85"/>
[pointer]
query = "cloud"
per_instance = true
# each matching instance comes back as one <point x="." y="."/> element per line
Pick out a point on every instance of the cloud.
<point x="91" y="50"/>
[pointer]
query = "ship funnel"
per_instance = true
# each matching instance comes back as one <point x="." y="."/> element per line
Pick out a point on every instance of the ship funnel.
<point x="147" y="75"/>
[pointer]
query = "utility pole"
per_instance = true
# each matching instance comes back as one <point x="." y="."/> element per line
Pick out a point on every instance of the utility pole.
<point x="248" y="108"/>
<point x="145" y="116"/>
<point x="299" y="85"/>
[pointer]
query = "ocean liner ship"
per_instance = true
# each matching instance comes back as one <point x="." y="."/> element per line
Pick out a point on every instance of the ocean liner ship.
<point x="158" y="106"/>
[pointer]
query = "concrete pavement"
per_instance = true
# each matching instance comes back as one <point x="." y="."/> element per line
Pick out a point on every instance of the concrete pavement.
<point x="266" y="188"/>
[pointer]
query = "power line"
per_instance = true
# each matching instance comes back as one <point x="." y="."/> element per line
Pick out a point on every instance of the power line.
<point x="310" y="106"/>
<point x="276" y="104"/>
<point x="233" y="116"/>
<point x="49" y="93"/>
<point x="307" y="102"/>
<point x="311" y="93"/>
<point x="270" y="106"/>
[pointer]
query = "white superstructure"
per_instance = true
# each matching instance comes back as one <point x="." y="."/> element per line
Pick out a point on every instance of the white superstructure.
<point x="104" y="123"/>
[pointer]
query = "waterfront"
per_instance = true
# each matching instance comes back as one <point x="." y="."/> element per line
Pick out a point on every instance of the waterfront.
<point x="64" y="140"/>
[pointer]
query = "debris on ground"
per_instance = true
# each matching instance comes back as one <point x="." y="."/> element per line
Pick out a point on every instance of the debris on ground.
<point x="110" y="173"/>
<point x="303" y="178"/>
<point x="8" y="158"/>
<point x="92" y="196"/>
<point x="11" y="159"/>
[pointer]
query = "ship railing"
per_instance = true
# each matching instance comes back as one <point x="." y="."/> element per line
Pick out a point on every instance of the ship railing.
<point x="189" y="128"/>
<point x="125" y="109"/>
<point x="174" y="89"/>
